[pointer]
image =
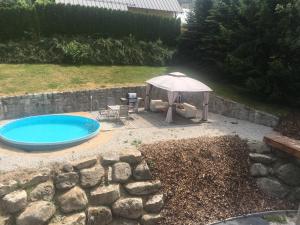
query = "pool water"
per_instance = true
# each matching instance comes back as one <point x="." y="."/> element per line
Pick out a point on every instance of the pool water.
<point x="49" y="130"/>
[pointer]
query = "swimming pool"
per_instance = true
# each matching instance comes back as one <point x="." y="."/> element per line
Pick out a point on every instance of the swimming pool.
<point x="48" y="131"/>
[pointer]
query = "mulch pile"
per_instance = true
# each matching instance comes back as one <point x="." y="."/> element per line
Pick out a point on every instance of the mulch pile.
<point x="206" y="179"/>
<point x="290" y="125"/>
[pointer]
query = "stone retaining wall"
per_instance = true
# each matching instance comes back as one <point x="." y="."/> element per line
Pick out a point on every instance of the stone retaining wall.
<point x="114" y="190"/>
<point x="74" y="101"/>
<point x="276" y="172"/>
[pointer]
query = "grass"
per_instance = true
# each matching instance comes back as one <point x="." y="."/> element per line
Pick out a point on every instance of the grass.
<point x="27" y="78"/>
<point x="275" y="219"/>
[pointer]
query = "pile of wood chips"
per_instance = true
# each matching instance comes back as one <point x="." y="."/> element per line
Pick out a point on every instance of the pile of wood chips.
<point x="206" y="179"/>
<point x="289" y="125"/>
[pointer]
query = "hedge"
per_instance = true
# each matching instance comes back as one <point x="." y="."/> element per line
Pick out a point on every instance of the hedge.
<point x="85" y="50"/>
<point x="57" y="19"/>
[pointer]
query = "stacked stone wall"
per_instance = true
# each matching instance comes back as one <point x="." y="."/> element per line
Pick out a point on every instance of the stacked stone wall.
<point x="113" y="189"/>
<point x="91" y="100"/>
<point x="277" y="173"/>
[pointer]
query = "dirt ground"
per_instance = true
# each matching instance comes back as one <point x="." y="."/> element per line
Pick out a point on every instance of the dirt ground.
<point x="289" y="125"/>
<point x="206" y="179"/>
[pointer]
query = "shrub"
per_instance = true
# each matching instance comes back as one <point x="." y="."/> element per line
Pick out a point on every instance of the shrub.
<point x="85" y="50"/>
<point x="57" y="19"/>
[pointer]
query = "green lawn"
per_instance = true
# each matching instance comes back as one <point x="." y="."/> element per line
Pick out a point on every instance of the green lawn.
<point x="26" y="78"/>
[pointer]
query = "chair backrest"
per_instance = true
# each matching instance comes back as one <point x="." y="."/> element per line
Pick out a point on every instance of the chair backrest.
<point x="110" y="101"/>
<point x="123" y="111"/>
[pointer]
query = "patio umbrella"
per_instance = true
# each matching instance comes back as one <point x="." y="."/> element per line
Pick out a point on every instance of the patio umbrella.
<point x="174" y="83"/>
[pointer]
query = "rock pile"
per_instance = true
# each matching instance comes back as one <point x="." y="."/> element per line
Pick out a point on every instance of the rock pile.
<point x="276" y="172"/>
<point x="110" y="190"/>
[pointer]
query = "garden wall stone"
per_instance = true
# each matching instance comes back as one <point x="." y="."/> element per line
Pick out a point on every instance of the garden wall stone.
<point x="277" y="173"/>
<point x="84" y="195"/>
<point x="86" y="100"/>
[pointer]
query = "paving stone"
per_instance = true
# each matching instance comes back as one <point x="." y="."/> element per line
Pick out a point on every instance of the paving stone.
<point x="143" y="187"/>
<point x="99" y="216"/>
<point x="105" y="195"/>
<point x="90" y="177"/>
<point x="73" y="200"/>
<point x="37" y="213"/>
<point x="121" y="172"/>
<point x="66" y="180"/>
<point x="15" y="201"/>
<point x="130" y="208"/>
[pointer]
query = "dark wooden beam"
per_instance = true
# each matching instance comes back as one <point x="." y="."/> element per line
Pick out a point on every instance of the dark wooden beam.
<point x="283" y="143"/>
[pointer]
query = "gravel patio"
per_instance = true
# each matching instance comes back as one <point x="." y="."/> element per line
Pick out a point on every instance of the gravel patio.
<point x="142" y="128"/>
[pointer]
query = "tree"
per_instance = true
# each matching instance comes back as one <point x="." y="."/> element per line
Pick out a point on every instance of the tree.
<point x="256" y="43"/>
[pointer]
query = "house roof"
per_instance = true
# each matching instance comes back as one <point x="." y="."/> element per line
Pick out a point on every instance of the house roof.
<point x="123" y="5"/>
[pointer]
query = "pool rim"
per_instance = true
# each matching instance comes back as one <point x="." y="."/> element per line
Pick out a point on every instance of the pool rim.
<point x="27" y="145"/>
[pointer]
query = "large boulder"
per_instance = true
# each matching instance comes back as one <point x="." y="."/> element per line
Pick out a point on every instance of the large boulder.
<point x="130" y="208"/>
<point x="131" y="156"/>
<point x="272" y="187"/>
<point x="258" y="170"/>
<point x="15" y="201"/>
<point x="142" y="171"/>
<point x="121" y="172"/>
<point x="37" y="213"/>
<point x="105" y="195"/>
<point x="44" y="191"/>
<point x="90" y="177"/>
<point x="66" y="180"/>
<point x="99" y="216"/>
<point x="74" y="219"/>
<point x="154" y="203"/>
<point x="8" y="187"/>
<point x="73" y="200"/>
<point x="289" y="174"/>
<point x="143" y="188"/>
<point x="151" y="219"/>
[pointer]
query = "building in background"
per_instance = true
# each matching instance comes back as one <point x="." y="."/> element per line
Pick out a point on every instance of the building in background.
<point x="167" y="8"/>
<point x="187" y="4"/>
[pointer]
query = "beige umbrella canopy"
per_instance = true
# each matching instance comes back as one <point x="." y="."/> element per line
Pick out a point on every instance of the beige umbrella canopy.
<point x="174" y="83"/>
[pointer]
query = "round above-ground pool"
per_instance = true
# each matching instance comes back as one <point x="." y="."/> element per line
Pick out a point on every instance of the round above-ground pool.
<point x="48" y="131"/>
